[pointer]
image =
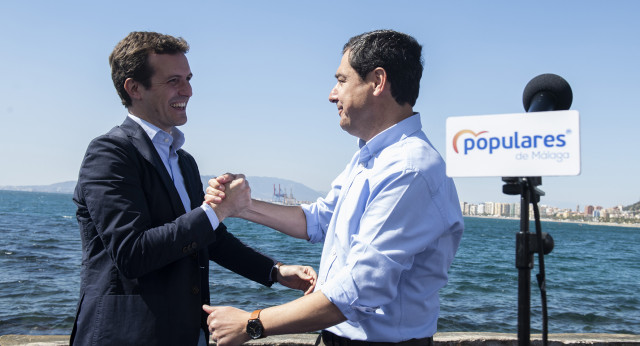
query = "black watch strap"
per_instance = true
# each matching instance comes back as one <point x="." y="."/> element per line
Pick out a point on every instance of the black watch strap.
<point x="274" y="272"/>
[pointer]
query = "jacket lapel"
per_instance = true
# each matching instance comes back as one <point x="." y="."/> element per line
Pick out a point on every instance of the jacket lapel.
<point x="143" y="144"/>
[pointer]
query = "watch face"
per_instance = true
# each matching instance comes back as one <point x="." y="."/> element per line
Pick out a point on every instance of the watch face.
<point x="254" y="329"/>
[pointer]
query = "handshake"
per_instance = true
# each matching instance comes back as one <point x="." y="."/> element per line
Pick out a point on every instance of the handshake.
<point x="229" y="195"/>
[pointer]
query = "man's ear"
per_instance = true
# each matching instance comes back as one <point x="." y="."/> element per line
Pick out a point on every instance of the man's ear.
<point x="133" y="88"/>
<point x="380" y="80"/>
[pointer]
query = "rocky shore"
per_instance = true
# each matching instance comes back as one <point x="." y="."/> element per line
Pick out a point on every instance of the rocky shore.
<point x="441" y="339"/>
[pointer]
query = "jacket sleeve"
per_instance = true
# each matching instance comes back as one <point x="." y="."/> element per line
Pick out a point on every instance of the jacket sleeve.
<point x="231" y="253"/>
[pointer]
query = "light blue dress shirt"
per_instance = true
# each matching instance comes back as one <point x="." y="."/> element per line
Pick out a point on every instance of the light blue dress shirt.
<point x="391" y="225"/>
<point x="166" y="145"/>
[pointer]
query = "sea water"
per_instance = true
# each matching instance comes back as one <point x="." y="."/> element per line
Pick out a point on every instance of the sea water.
<point x="593" y="273"/>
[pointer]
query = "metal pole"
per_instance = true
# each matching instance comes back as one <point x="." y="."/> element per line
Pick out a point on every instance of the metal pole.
<point x="524" y="266"/>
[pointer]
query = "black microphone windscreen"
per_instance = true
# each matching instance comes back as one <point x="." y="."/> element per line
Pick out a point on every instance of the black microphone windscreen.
<point x="552" y="84"/>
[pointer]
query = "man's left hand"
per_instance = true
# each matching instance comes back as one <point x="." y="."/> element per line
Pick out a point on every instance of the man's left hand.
<point x="298" y="277"/>
<point x="227" y="325"/>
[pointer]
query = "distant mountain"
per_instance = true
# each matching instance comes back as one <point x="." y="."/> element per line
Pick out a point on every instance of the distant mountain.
<point x="261" y="188"/>
<point x="64" y="187"/>
<point x="634" y="207"/>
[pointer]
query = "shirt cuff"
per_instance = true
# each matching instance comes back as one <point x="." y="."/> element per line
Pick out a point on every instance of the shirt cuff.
<point x="312" y="223"/>
<point x="342" y="291"/>
<point x="213" y="218"/>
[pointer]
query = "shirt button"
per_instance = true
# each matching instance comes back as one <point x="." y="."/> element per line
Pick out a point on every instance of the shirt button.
<point x="195" y="290"/>
<point x="166" y="140"/>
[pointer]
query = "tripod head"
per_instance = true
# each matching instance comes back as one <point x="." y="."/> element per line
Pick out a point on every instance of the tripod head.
<point x="521" y="186"/>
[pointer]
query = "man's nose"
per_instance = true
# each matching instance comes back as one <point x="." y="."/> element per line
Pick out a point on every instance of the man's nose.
<point x="333" y="95"/>
<point x="185" y="89"/>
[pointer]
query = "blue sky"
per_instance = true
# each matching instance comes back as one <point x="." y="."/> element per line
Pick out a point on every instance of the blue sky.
<point x="263" y="71"/>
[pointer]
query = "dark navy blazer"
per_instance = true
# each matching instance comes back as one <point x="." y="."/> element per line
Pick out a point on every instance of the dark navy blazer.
<point x="145" y="269"/>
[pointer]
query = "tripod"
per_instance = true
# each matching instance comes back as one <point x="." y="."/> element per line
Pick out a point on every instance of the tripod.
<point x="526" y="245"/>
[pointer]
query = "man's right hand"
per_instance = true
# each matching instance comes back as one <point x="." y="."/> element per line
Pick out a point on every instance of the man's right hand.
<point x="229" y="195"/>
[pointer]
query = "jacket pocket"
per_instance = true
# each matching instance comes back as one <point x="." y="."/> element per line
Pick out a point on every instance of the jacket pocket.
<point x="126" y="320"/>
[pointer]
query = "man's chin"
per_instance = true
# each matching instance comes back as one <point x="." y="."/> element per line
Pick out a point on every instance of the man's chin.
<point x="180" y="119"/>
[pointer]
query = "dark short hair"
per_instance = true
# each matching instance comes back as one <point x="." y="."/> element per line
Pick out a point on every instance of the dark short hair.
<point x="400" y="55"/>
<point x="129" y="58"/>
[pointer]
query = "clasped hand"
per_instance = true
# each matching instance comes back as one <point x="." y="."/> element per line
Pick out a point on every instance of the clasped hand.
<point x="229" y="195"/>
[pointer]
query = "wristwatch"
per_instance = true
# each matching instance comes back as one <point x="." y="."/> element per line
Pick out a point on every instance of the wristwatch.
<point x="274" y="272"/>
<point x="254" y="326"/>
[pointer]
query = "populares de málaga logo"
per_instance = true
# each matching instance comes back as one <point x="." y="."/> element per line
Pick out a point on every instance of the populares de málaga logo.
<point x="482" y="141"/>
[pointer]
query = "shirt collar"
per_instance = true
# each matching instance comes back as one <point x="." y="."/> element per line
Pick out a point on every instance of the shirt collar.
<point x="393" y="134"/>
<point x="175" y="138"/>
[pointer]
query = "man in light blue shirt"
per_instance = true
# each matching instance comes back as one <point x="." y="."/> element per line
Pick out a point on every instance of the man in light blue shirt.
<point x="391" y="223"/>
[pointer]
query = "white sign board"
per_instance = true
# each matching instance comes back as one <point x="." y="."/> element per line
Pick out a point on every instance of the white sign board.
<point x="514" y="145"/>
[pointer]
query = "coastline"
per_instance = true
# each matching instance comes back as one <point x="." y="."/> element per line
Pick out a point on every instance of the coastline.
<point x="591" y="223"/>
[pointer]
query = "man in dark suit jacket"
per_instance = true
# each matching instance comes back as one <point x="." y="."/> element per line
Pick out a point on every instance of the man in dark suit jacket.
<point x="146" y="235"/>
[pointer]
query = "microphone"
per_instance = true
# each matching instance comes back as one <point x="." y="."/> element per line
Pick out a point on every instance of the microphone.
<point x="547" y="92"/>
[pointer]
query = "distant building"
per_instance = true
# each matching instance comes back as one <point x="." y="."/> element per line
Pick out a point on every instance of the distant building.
<point x="615" y="214"/>
<point x="488" y="208"/>
<point x="514" y="210"/>
<point x="589" y="210"/>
